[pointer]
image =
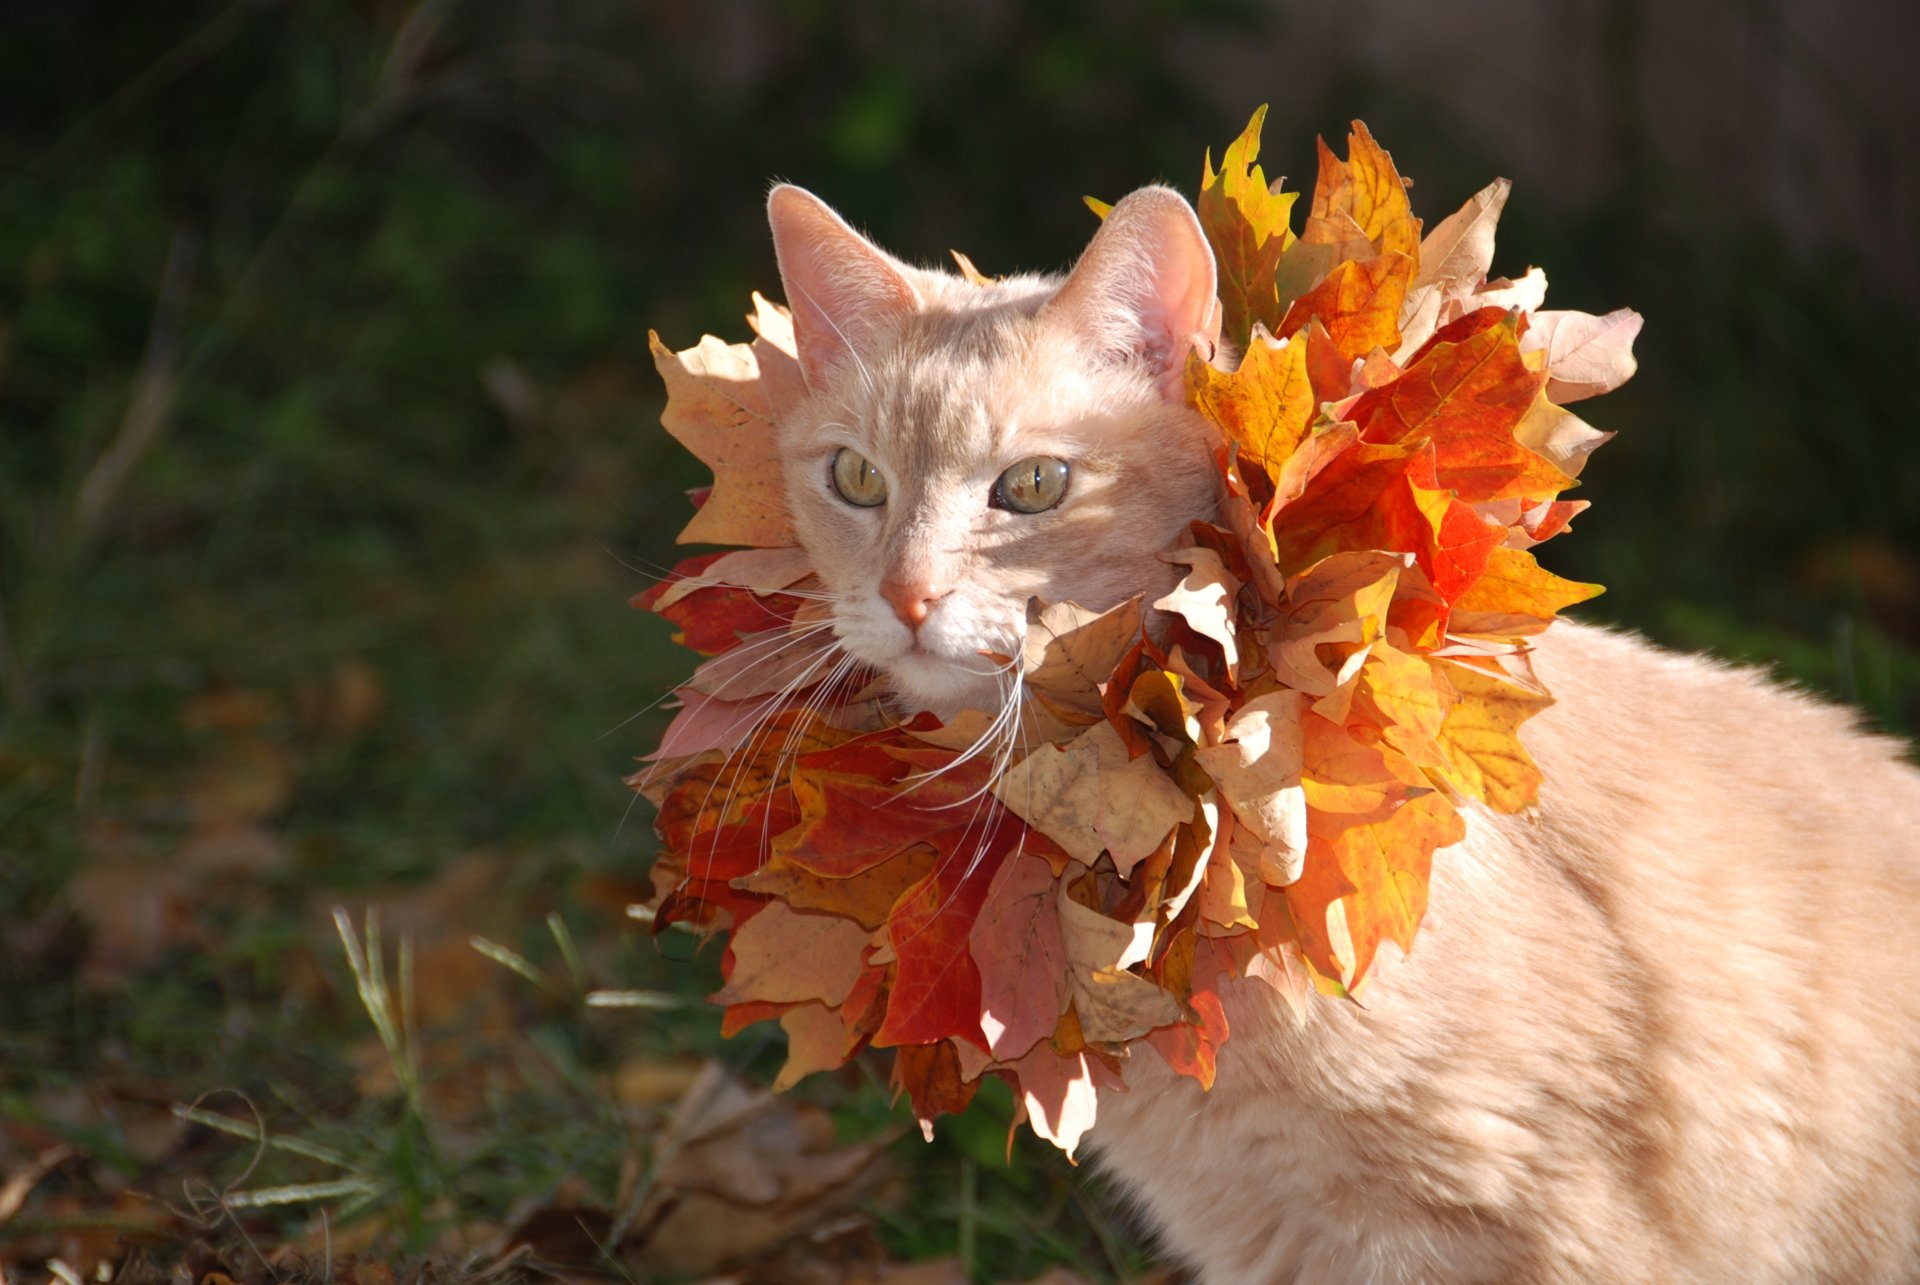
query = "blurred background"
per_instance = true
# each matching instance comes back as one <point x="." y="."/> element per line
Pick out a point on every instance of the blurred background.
<point x="329" y="457"/>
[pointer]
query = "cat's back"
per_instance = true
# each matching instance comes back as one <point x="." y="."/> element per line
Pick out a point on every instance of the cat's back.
<point x="1751" y="860"/>
<point x="1660" y="1028"/>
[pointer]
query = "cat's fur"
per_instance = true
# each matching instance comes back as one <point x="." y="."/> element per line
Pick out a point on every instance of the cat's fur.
<point x="1666" y="1028"/>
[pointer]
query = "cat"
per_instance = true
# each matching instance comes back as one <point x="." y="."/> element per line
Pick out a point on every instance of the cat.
<point x="1665" y="1027"/>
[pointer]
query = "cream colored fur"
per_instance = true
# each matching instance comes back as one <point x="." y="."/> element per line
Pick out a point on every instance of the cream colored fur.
<point x="1665" y="1028"/>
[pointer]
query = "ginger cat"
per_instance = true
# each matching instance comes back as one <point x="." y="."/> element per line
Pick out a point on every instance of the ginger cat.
<point x="1664" y="1028"/>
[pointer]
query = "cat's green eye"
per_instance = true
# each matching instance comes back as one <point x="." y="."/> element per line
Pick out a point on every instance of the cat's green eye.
<point x="1034" y="485"/>
<point x="857" y="480"/>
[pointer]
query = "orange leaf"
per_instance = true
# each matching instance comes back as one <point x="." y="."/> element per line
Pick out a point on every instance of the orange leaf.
<point x="1466" y="396"/>
<point x="1515" y="584"/>
<point x="1358" y="302"/>
<point x="1191" y="1045"/>
<point x="1481" y="733"/>
<point x="1366" y="189"/>
<point x="930" y="1075"/>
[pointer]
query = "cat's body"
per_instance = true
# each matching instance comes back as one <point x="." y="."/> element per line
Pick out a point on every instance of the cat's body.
<point x="1664" y="1028"/>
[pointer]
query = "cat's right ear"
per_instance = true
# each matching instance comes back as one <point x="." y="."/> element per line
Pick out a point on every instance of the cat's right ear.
<point x="840" y="287"/>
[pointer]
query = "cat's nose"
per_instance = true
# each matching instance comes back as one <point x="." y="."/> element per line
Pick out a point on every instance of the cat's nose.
<point x="912" y="600"/>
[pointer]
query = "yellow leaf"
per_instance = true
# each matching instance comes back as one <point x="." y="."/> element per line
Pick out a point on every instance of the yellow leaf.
<point x="1246" y="222"/>
<point x="1481" y="733"/>
<point x="1265" y="407"/>
<point x="1515" y="584"/>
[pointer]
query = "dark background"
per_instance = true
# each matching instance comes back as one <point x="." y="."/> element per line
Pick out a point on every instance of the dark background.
<point x="328" y="435"/>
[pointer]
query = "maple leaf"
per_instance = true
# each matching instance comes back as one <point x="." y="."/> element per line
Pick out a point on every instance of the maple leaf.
<point x="725" y="403"/>
<point x="712" y="615"/>
<point x="932" y="1078"/>
<point x="1112" y="1003"/>
<point x="1454" y="261"/>
<point x="1358" y="303"/>
<point x="1190" y="1047"/>
<point x="1265" y="406"/>
<point x="1204" y="598"/>
<point x="816" y="1041"/>
<point x="1059" y="1095"/>
<point x="1466" y="393"/>
<point x="1016" y="945"/>
<point x="1091" y="796"/>
<point x="1586" y="355"/>
<point x="936" y="987"/>
<point x="781" y="956"/>
<point x="1246" y="223"/>
<point x="1482" y="732"/>
<point x="1366" y="192"/>
<point x="1069" y="652"/>
<point x="1257" y="771"/>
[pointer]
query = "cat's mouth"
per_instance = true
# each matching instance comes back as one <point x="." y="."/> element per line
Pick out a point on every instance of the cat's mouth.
<point x="924" y="678"/>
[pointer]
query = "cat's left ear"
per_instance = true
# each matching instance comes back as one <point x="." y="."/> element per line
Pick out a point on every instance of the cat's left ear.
<point x="1145" y="287"/>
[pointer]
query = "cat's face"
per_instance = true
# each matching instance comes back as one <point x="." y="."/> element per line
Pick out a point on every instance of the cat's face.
<point x="967" y="448"/>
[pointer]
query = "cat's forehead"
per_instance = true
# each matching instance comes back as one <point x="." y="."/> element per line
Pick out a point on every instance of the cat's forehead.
<point x="976" y="377"/>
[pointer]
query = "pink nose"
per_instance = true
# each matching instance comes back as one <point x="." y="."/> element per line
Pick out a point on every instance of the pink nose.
<point x="911" y="600"/>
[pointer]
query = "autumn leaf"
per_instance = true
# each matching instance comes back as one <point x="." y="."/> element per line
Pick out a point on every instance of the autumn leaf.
<point x="1113" y="1003"/>
<point x="1358" y="303"/>
<point x="1205" y="599"/>
<point x="1482" y="733"/>
<point x="1016" y="945"/>
<point x="1366" y="192"/>
<point x="725" y="403"/>
<point x="816" y="1041"/>
<point x="1466" y="394"/>
<point x="1585" y="355"/>
<point x="1091" y="796"/>
<point x="1257" y="771"/>
<point x="936" y="987"/>
<point x="784" y="957"/>
<point x="1246" y="223"/>
<point x="1454" y="260"/>
<point x="1265" y="407"/>
<point x="1059" y="1095"/>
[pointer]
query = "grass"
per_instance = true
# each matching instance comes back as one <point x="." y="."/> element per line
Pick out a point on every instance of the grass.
<point x="328" y="459"/>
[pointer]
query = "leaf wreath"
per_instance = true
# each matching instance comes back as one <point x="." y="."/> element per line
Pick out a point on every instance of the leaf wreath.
<point x="1258" y="795"/>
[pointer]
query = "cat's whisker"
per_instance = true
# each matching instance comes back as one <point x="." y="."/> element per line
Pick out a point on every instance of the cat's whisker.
<point x="771" y="701"/>
<point x="774" y="702"/>
<point x="762" y="728"/>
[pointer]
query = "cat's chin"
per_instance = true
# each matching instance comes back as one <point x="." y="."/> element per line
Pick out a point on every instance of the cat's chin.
<point x="943" y="687"/>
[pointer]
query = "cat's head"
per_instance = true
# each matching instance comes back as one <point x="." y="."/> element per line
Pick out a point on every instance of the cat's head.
<point x="966" y="447"/>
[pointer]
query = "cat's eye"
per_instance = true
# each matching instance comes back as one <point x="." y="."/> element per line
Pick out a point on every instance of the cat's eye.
<point x="1034" y="485"/>
<point x="857" y="480"/>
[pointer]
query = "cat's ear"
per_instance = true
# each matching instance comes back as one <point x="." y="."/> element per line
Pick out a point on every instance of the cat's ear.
<point x="1145" y="287"/>
<point x="839" y="285"/>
